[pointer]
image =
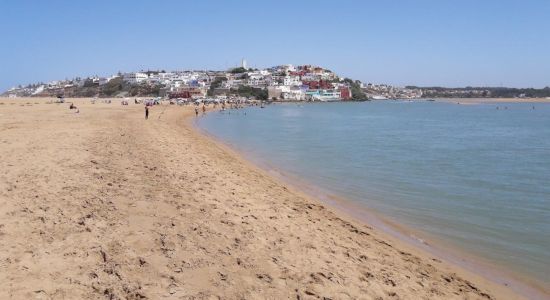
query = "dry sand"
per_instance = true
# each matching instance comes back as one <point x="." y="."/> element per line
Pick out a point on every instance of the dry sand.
<point x="105" y="205"/>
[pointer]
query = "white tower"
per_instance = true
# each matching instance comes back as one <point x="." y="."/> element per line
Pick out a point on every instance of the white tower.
<point x="243" y="63"/>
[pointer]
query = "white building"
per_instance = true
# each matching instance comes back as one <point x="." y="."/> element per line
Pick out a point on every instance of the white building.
<point x="105" y="80"/>
<point x="289" y="68"/>
<point x="232" y="83"/>
<point x="292" y="81"/>
<point x="328" y="76"/>
<point x="310" y="77"/>
<point x="177" y="83"/>
<point x="255" y="75"/>
<point x="257" y="82"/>
<point x="38" y="90"/>
<point x="153" y="78"/>
<point x="135" y="77"/>
<point x="294" y="94"/>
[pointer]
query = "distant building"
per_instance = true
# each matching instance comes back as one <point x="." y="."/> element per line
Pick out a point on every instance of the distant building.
<point x="284" y="82"/>
<point x="189" y="92"/>
<point x="295" y="94"/>
<point x="345" y="93"/>
<point x="323" y="95"/>
<point x="274" y="93"/>
<point x="321" y="84"/>
<point x="135" y="77"/>
<point x="292" y="81"/>
<point x="39" y="90"/>
<point x="105" y="80"/>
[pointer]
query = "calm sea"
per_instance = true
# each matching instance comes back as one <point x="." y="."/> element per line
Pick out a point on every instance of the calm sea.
<point x="472" y="176"/>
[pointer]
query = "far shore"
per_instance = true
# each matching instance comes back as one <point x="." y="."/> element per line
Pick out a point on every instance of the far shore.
<point x="490" y="100"/>
<point x="103" y="203"/>
<point x="447" y="100"/>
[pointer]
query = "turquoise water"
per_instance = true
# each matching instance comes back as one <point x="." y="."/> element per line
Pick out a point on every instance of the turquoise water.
<point x="472" y="176"/>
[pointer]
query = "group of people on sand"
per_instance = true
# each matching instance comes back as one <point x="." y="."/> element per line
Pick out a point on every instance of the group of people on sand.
<point x="197" y="110"/>
<point x="223" y="104"/>
<point x="199" y="107"/>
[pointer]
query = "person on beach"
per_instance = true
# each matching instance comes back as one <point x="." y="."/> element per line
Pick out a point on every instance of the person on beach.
<point x="146" y="112"/>
<point x="196" y="111"/>
<point x="204" y="109"/>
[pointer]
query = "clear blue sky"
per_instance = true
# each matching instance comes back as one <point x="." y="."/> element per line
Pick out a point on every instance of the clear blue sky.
<point x="423" y="42"/>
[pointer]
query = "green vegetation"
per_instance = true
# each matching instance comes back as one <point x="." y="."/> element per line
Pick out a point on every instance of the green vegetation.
<point x="214" y="85"/>
<point x="144" y="89"/>
<point x="238" y="70"/>
<point x="89" y="83"/>
<point x="251" y="92"/>
<point x="113" y="87"/>
<point x="117" y="86"/>
<point x="90" y="91"/>
<point x="356" y="91"/>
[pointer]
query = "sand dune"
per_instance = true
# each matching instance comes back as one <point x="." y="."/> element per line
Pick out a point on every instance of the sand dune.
<point x="103" y="204"/>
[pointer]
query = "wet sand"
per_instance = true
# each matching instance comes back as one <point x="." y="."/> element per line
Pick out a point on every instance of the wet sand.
<point x="103" y="204"/>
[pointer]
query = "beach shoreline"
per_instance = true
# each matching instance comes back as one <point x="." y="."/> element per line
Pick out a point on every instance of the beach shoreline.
<point x="105" y="203"/>
<point x="407" y="237"/>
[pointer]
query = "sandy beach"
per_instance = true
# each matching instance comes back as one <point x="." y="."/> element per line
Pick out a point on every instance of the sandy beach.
<point x="103" y="204"/>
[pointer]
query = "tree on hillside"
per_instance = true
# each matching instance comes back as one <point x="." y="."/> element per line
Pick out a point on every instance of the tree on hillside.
<point x="238" y="70"/>
<point x="356" y="91"/>
<point x="215" y="84"/>
<point x="113" y="87"/>
<point x="251" y="92"/>
<point x="89" y="82"/>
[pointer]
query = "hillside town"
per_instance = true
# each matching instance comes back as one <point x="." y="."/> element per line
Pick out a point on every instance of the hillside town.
<point x="278" y="83"/>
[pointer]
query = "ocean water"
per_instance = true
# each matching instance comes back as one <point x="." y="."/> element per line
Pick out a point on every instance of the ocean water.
<point x="472" y="176"/>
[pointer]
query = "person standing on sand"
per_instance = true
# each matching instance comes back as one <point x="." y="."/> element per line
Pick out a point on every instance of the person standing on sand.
<point x="196" y="111"/>
<point x="204" y="109"/>
<point x="146" y="112"/>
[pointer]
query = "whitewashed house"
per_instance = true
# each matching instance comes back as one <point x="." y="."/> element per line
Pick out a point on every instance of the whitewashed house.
<point x="136" y="77"/>
<point x="292" y="81"/>
<point x="105" y="80"/>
